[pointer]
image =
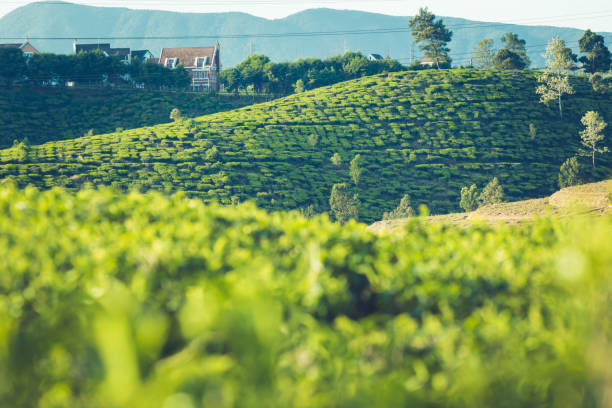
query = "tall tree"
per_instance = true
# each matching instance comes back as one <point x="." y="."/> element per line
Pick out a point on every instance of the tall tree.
<point x="592" y="134"/>
<point x="597" y="56"/>
<point x="13" y="65"/>
<point x="484" y="53"/>
<point x="515" y="45"/>
<point x="569" y="173"/>
<point x="492" y="193"/>
<point x="343" y="206"/>
<point x="554" y="81"/>
<point x="355" y="169"/>
<point x="559" y="58"/>
<point x="403" y="210"/>
<point x="432" y="36"/>
<point x="469" y="198"/>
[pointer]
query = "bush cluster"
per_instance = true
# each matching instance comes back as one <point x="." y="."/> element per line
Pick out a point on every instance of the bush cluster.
<point x="112" y="300"/>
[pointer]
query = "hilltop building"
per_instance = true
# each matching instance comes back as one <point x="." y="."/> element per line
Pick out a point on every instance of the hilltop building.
<point x="125" y="54"/>
<point x="375" y="57"/>
<point x="27" y="48"/>
<point x="202" y="63"/>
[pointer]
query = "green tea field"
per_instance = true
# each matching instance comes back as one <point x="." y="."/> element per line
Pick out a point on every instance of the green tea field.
<point x="45" y="114"/>
<point x="424" y="133"/>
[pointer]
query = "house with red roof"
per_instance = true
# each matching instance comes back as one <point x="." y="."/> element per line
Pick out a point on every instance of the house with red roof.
<point x="202" y="63"/>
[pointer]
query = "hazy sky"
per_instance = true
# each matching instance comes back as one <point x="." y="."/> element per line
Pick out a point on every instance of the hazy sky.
<point x="594" y="14"/>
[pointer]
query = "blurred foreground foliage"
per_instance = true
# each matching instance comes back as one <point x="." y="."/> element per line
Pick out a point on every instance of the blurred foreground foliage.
<point x="144" y="300"/>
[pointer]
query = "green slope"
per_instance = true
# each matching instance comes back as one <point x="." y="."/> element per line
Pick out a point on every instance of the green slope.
<point x="60" y="19"/>
<point x="426" y="134"/>
<point x="149" y="301"/>
<point x="44" y="114"/>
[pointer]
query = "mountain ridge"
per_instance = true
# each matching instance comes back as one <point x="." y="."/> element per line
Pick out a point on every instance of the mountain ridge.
<point x="75" y="20"/>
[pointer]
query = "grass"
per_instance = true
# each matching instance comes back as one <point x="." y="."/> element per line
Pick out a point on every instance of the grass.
<point x="422" y="133"/>
<point x="592" y="198"/>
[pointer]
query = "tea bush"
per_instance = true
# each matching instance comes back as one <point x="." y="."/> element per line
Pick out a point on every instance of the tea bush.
<point x="148" y="300"/>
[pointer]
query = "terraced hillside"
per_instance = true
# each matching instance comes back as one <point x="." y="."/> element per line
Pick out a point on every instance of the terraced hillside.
<point x="41" y="115"/>
<point x="422" y="133"/>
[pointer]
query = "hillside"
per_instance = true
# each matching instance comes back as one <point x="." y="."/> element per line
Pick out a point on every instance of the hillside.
<point x="44" y="114"/>
<point x="423" y="133"/>
<point x="593" y="198"/>
<point x="60" y="19"/>
<point x="149" y="301"/>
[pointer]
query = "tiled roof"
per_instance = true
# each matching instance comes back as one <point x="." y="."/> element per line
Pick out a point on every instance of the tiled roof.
<point x="140" y="53"/>
<point x="11" y="45"/>
<point x="187" y="56"/>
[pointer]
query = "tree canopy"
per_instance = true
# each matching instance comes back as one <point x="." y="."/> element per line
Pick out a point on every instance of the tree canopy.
<point x="432" y="37"/>
<point x="597" y="57"/>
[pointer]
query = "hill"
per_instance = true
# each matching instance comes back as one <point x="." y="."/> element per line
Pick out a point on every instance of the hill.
<point x="44" y="114"/>
<point x="132" y="300"/>
<point x="593" y="198"/>
<point x="423" y="133"/>
<point x="59" y="19"/>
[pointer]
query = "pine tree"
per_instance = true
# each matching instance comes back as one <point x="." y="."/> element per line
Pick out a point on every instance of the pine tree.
<point x="569" y="173"/>
<point x="403" y="210"/>
<point x="432" y="36"/>
<point x="469" y="198"/>
<point x="492" y="193"/>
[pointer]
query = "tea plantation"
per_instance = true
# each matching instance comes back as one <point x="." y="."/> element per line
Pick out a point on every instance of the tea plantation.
<point x="44" y="114"/>
<point x="148" y="300"/>
<point x="424" y="133"/>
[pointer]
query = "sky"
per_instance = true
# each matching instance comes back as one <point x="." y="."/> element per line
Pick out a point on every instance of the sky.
<point x="593" y="14"/>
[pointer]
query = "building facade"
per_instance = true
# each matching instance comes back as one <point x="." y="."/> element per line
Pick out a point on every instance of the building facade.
<point x="202" y="63"/>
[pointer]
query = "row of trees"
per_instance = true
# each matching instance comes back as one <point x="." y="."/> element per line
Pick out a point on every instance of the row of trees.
<point x="433" y="37"/>
<point x="259" y="74"/>
<point x="87" y="68"/>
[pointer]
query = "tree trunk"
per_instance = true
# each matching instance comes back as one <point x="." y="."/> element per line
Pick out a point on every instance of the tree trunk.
<point x="593" y="158"/>
<point x="560" y="108"/>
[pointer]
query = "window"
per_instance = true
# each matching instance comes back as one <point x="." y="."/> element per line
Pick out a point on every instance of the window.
<point x="28" y="54"/>
<point x="171" y="62"/>
<point x="200" y="62"/>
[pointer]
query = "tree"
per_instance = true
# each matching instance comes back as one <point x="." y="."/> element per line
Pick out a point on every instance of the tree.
<point x="469" y="198"/>
<point x="299" y="86"/>
<point x="569" y="173"/>
<point x="343" y="206"/>
<point x="597" y="57"/>
<point x="13" y="65"/>
<point x="175" y="115"/>
<point x="403" y="210"/>
<point x="600" y="83"/>
<point x="506" y="59"/>
<point x="516" y="46"/>
<point x="336" y="159"/>
<point x="554" y="82"/>
<point x="553" y="87"/>
<point x="232" y="79"/>
<point x="492" y="193"/>
<point x="592" y="135"/>
<point x="559" y="58"/>
<point x="484" y="53"/>
<point x="432" y="36"/>
<point x="355" y="170"/>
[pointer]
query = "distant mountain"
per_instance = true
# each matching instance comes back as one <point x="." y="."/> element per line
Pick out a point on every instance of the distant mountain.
<point x="56" y="19"/>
